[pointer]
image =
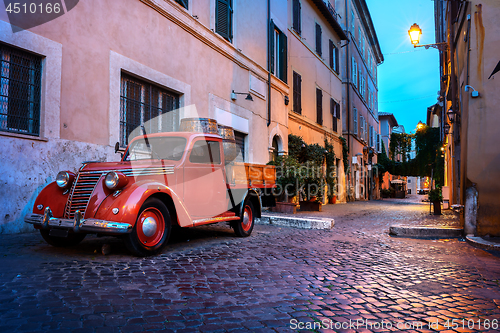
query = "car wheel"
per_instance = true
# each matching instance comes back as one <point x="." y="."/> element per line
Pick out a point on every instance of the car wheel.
<point x="244" y="227"/>
<point x="71" y="240"/>
<point x="152" y="229"/>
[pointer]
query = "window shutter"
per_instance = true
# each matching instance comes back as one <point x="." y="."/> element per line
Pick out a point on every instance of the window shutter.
<point x="296" y="16"/>
<point x="318" y="39"/>
<point x="355" y="121"/>
<point x="183" y="3"/>
<point x="333" y="110"/>
<point x="332" y="54"/>
<point x="271" y="44"/>
<point x="223" y="19"/>
<point x="337" y="112"/>
<point x="297" y="81"/>
<point x="319" y="106"/>
<point x="283" y="57"/>
<point x="337" y="60"/>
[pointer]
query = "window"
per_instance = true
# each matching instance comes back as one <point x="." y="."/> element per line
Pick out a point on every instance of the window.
<point x="205" y="152"/>
<point x="279" y="54"/>
<point x="355" y="120"/>
<point x="183" y="3"/>
<point x="224" y="19"/>
<point x="334" y="57"/>
<point x="297" y="24"/>
<point x="163" y="148"/>
<point x="363" y="45"/>
<point x="354" y="72"/>
<point x="319" y="106"/>
<point x="240" y="142"/>
<point x="362" y="127"/>
<point x="371" y="137"/>
<point x="141" y="102"/>
<point x="297" y="91"/>
<point x="318" y="39"/>
<point x="20" y="91"/>
<point x="353" y="22"/>
<point x="378" y="143"/>
<point x="335" y="111"/>
<point x="359" y="34"/>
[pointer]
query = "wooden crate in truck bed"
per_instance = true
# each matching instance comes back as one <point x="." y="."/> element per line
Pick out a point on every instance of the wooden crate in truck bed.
<point x="251" y="175"/>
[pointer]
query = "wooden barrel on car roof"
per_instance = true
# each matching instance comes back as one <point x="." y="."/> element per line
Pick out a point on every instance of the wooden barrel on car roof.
<point x="231" y="149"/>
<point x="199" y="125"/>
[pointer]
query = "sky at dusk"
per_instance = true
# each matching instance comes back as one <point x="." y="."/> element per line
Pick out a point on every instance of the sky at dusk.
<point x="408" y="79"/>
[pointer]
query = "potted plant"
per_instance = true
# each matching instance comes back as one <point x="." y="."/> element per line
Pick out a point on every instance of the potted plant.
<point x="288" y="179"/>
<point x="313" y="186"/>
<point x="436" y="197"/>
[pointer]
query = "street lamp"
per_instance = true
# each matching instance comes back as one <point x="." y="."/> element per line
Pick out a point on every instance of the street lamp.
<point x="415" y="32"/>
<point x="451" y="116"/>
<point x="420" y="125"/>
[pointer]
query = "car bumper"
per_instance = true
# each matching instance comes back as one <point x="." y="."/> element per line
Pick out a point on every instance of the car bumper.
<point x="46" y="221"/>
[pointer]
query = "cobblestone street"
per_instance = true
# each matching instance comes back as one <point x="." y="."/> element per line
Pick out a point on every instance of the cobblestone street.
<point x="352" y="278"/>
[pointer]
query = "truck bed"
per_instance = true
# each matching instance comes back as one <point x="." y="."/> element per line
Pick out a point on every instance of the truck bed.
<point x="251" y="175"/>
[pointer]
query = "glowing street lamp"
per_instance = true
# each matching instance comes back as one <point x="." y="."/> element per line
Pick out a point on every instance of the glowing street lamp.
<point x="420" y="125"/>
<point x="415" y="32"/>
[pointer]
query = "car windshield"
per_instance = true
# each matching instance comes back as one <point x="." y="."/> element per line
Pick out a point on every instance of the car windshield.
<point x="160" y="148"/>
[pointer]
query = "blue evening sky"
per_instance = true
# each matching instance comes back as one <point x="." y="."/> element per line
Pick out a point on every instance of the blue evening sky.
<point x="408" y="80"/>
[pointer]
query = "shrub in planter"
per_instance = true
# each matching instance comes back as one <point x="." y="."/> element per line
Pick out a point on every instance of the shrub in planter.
<point x="288" y="177"/>
<point x="436" y="197"/>
<point x="313" y="181"/>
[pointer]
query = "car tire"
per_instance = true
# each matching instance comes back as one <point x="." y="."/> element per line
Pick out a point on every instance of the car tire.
<point x="244" y="227"/>
<point x="72" y="239"/>
<point x="151" y="230"/>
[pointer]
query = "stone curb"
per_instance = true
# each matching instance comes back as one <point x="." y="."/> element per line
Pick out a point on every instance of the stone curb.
<point x="296" y="222"/>
<point x="482" y="243"/>
<point x="425" y="231"/>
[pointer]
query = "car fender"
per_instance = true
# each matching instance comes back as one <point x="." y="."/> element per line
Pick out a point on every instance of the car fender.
<point x="54" y="197"/>
<point x="130" y="200"/>
<point x="253" y="196"/>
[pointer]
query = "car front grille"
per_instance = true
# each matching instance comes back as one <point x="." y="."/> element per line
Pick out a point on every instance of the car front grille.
<point x="80" y="193"/>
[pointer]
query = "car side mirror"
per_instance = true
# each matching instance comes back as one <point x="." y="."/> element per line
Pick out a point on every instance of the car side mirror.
<point x="117" y="147"/>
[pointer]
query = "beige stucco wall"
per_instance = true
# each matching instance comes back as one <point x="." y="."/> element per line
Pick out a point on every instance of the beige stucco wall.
<point x="480" y="115"/>
<point x="155" y="40"/>
<point x="315" y="73"/>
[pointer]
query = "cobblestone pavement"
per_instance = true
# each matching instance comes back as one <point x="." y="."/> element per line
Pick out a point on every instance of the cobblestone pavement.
<point x="353" y="278"/>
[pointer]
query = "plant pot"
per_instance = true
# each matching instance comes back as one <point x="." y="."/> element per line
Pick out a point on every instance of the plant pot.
<point x="285" y="207"/>
<point x="333" y="199"/>
<point x="310" y="206"/>
<point x="437" y="207"/>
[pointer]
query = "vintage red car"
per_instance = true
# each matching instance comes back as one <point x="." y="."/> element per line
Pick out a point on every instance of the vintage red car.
<point x="163" y="180"/>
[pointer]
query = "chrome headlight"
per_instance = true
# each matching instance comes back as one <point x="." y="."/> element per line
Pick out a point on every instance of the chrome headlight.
<point x="64" y="179"/>
<point x="115" y="180"/>
<point x="112" y="180"/>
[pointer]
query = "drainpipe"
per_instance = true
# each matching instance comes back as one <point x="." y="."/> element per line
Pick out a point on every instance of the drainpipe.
<point x="348" y="98"/>
<point x="269" y="62"/>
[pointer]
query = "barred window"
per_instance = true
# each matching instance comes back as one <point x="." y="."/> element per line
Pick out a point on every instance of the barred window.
<point x="20" y="91"/>
<point x="141" y="103"/>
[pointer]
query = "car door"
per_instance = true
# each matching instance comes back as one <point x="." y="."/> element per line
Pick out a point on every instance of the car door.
<point x="204" y="180"/>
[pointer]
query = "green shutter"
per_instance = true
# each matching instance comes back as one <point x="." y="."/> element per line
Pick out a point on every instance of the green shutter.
<point x="283" y="57"/>
<point x="271" y="45"/>
<point x="224" y="19"/>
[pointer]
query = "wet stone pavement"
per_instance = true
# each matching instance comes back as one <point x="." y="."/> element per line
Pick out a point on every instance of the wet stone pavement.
<point x="352" y="278"/>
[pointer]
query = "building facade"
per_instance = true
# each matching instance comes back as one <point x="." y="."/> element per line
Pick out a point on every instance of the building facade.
<point x="315" y="39"/>
<point x="360" y="97"/>
<point x="73" y="87"/>
<point x="469" y="117"/>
